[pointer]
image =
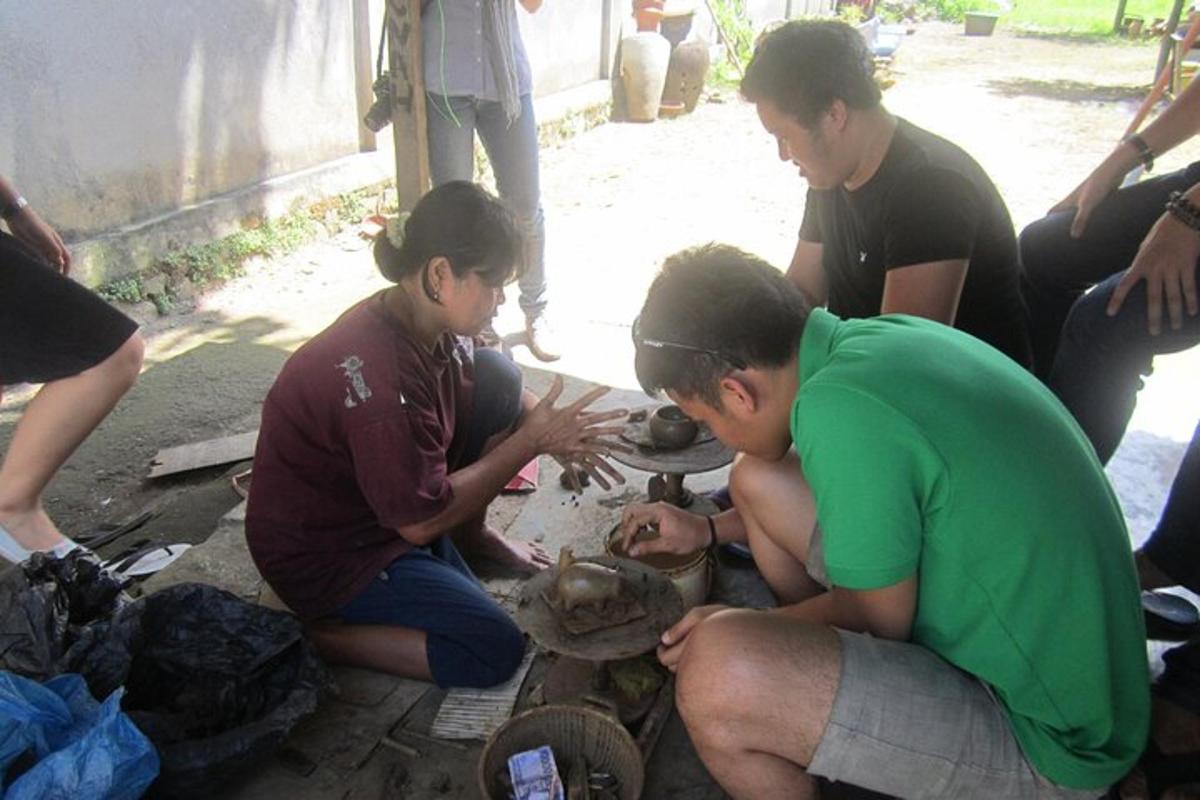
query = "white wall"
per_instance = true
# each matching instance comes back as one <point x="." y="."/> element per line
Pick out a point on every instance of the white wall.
<point x="112" y="111"/>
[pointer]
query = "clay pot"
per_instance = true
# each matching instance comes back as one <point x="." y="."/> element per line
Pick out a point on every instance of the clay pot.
<point x="671" y="429"/>
<point x="647" y="14"/>
<point x="691" y="573"/>
<point x="676" y="26"/>
<point x="644" y="60"/>
<point x="685" y="75"/>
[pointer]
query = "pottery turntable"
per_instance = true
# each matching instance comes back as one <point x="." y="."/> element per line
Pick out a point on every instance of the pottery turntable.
<point x="589" y="644"/>
<point x="672" y="446"/>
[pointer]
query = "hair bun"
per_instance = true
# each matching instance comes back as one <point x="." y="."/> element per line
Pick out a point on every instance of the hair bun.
<point x="394" y="229"/>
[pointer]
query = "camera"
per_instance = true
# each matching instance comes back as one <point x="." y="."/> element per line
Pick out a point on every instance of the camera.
<point x="379" y="115"/>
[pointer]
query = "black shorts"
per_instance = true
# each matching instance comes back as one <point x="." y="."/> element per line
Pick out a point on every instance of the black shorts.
<point x="50" y="326"/>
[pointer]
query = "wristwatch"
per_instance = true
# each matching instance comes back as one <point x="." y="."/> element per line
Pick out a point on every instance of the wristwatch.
<point x="13" y="208"/>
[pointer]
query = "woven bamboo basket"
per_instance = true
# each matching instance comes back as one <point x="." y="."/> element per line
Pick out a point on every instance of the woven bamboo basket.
<point x="571" y="731"/>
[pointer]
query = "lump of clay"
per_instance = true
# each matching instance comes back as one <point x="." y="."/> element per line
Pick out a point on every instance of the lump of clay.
<point x="582" y="583"/>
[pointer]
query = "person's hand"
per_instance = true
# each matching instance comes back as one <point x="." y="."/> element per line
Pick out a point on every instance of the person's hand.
<point x="573" y="435"/>
<point x="674" y="640"/>
<point x="1103" y="181"/>
<point x="27" y="226"/>
<point x="1166" y="261"/>
<point x="679" y="531"/>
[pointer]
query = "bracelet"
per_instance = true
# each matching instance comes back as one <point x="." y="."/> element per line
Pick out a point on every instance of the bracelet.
<point x="1184" y="210"/>
<point x="712" y="533"/>
<point x="13" y="208"/>
<point x="1145" y="154"/>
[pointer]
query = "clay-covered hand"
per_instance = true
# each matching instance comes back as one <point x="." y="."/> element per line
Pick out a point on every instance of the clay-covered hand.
<point x="27" y="226"/>
<point x="675" y="639"/>
<point x="1166" y="261"/>
<point x="679" y="531"/>
<point x="1103" y="181"/>
<point x="573" y="435"/>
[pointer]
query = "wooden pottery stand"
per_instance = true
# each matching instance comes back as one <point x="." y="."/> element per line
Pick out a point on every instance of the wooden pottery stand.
<point x="580" y="672"/>
<point x="704" y="454"/>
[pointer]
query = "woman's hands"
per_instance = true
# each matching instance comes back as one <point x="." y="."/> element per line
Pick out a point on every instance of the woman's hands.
<point x="573" y="435"/>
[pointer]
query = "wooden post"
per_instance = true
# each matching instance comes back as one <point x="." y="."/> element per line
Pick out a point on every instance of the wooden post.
<point x="1117" y="20"/>
<point x="408" y="101"/>
<point x="1168" y="43"/>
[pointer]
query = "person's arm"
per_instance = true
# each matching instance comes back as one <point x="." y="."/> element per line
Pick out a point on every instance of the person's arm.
<point x="928" y="290"/>
<point x="570" y="432"/>
<point x="807" y="272"/>
<point x="679" y="531"/>
<point x="886" y="613"/>
<point x="1166" y="261"/>
<point x="932" y="224"/>
<point x="27" y="226"/>
<point x="1180" y="122"/>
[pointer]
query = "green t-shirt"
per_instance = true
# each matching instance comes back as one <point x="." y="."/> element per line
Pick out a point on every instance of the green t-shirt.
<point x="929" y="452"/>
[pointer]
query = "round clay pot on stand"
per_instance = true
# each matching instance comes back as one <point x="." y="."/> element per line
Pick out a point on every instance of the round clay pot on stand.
<point x="685" y="76"/>
<point x="644" y="60"/>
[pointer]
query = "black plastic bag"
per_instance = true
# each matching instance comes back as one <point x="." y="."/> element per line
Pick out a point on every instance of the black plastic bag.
<point x="46" y="606"/>
<point x="216" y="683"/>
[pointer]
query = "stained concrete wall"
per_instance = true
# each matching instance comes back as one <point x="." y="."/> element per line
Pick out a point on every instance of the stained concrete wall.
<point x="120" y="118"/>
<point x="117" y="110"/>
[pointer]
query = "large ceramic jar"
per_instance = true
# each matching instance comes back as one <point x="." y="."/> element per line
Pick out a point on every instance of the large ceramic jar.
<point x="685" y="74"/>
<point x="644" y="60"/>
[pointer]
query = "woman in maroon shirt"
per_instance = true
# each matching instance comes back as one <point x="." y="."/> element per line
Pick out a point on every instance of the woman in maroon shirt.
<point x="385" y="438"/>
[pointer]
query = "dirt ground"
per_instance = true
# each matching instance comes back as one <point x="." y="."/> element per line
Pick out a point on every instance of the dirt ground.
<point x="1038" y="113"/>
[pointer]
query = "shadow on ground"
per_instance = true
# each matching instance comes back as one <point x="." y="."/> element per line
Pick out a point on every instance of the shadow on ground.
<point x="211" y="384"/>
<point x="1068" y="91"/>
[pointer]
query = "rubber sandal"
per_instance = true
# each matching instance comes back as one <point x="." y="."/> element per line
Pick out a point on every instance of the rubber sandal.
<point x="146" y="561"/>
<point x="1169" y="617"/>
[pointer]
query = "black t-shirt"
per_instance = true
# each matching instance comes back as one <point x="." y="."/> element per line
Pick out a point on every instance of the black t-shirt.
<point x="928" y="201"/>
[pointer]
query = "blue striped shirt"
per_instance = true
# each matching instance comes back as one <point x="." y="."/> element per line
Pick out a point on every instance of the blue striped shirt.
<point x="455" y="55"/>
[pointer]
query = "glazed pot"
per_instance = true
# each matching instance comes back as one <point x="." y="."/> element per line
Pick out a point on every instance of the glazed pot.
<point x="647" y="14"/>
<point x="644" y="60"/>
<point x="671" y="429"/>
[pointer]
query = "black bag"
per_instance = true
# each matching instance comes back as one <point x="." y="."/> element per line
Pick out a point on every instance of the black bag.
<point x="46" y="605"/>
<point x="214" y="682"/>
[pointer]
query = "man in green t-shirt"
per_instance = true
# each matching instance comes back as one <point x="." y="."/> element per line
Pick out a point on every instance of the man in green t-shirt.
<point x="959" y="612"/>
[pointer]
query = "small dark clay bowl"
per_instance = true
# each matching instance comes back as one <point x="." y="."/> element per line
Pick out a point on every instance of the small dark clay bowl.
<point x="671" y="429"/>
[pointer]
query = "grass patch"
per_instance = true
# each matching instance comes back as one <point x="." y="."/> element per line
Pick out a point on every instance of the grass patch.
<point x="122" y="290"/>
<point x="1088" y="17"/>
<point x="213" y="263"/>
<point x="1072" y="19"/>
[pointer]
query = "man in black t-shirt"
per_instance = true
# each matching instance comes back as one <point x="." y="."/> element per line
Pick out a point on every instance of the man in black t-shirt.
<point x="898" y="220"/>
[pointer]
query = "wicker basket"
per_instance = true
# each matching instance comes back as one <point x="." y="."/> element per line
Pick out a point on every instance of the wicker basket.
<point x="571" y="731"/>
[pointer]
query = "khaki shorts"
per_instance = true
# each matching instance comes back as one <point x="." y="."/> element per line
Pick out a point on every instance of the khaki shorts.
<point x="909" y="724"/>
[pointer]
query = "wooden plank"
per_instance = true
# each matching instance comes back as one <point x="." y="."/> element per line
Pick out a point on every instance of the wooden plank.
<point x="197" y="455"/>
<point x="409" y="134"/>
